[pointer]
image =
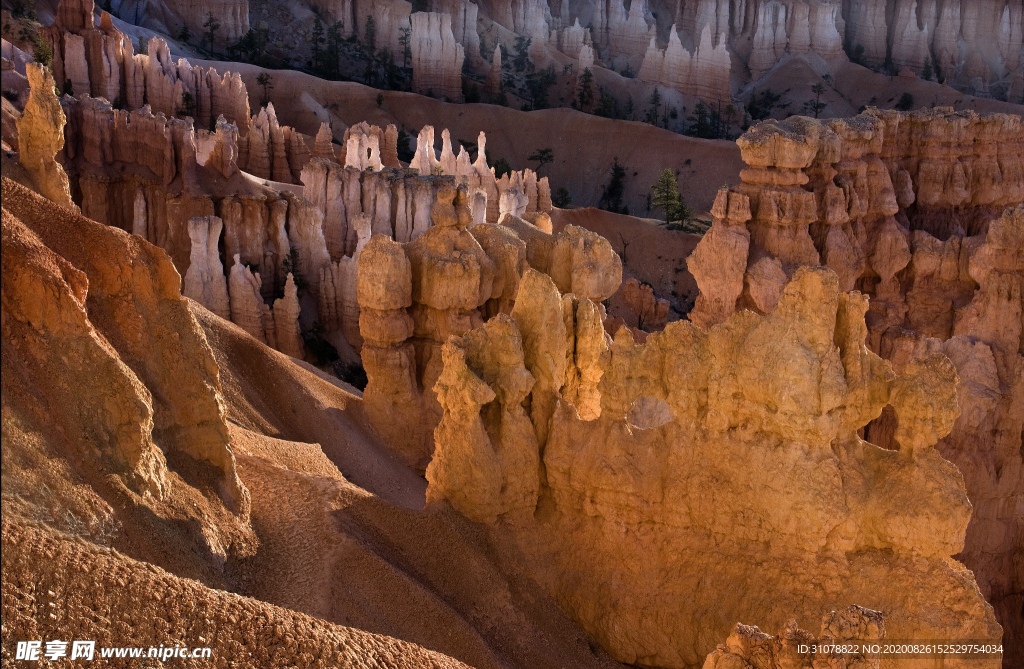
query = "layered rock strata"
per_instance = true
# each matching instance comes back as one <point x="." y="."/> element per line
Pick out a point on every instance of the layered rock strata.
<point x="76" y="296"/>
<point x="101" y="62"/>
<point x="390" y="17"/>
<point x="141" y="173"/>
<point x="922" y="213"/>
<point x="723" y="461"/>
<point x="41" y="137"/>
<point x="437" y="57"/>
<point x="704" y="73"/>
<point x="414" y="296"/>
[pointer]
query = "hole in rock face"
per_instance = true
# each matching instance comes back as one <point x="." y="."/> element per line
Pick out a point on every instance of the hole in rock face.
<point x="648" y="413"/>
<point x="882" y="431"/>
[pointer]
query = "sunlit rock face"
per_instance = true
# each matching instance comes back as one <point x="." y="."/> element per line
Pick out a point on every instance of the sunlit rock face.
<point x="921" y="212"/>
<point x="684" y="454"/>
<point x="412" y="297"/>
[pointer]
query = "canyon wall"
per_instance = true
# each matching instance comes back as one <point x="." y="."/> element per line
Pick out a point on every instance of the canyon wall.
<point x="101" y="62"/>
<point x="710" y="47"/>
<point x="390" y="17"/>
<point x="231" y="15"/>
<point x="709" y="476"/>
<point x="922" y="213"/>
<point x="437" y="57"/>
<point x="704" y="73"/>
<point x="160" y="177"/>
<point x="413" y="297"/>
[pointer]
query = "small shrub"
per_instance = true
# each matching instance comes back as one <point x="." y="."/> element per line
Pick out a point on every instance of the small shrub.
<point x="351" y="373"/>
<point x="906" y="102"/>
<point x="323" y="351"/>
<point x="561" y="198"/>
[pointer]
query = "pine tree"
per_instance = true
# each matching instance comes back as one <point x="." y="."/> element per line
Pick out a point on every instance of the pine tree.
<point x="264" y="81"/>
<point x="816" y="106"/>
<point x="611" y="196"/>
<point x="318" y="38"/>
<point x="586" y="96"/>
<point x="212" y="25"/>
<point x="405" y="41"/>
<point x="666" y="196"/>
<point x="333" y="52"/>
<point x="543" y="157"/>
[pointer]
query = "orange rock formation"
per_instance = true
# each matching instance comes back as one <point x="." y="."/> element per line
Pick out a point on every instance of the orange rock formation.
<point x="909" y="209"/>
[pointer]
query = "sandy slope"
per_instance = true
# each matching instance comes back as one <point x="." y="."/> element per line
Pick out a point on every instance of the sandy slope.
<point x="57" y="587"/>
<point x="335" y="528"/>
<point x="333" y="550"/>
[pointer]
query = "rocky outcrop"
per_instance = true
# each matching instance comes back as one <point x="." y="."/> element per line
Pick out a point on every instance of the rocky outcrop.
<point x="151" y="175"/>
<point x="531" y="18"/>
<point x="204" y="281"/>
<point x="446" y="281"/>
<point x="692" y="45"/>
<point x="794" y="28"/>
<point x="651" y="311"/>
<point x="748" y="646"/>
<point x="272" y="151"/>
<point x="77" y="296"/>
<point x="231" y="15"/>
<point x="494" y="83"/>
<point x="911" y="210"/>
<point x="101" y="62"/>
<point x="390" y="17"/>
<point x="464" y="25"/>
<point x="248" y="310"/>
<point x="624" y="33"/>
<point x="572" y="39"/>
<point x="704" y="73"/>
<point x="757" y="420"/>
<point x="287" y="334"/>
<point x="973" y="45"/>
<point x="41" y="137"/>
<point x="436" y="56"/>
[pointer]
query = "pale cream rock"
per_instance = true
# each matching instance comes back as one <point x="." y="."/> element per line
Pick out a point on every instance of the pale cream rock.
<point x="324" y="144"/>
<point x="247" y="307"/>
<point x="464" y="25"/>
<point x="494" y="83"/>
<point x="436" y="56"/>
<point x="204" y="282"/>
<point x="287" y="334"/>
<point x="305" y="233"/>
<point x="571" y="41"/>
<point x="425" y="158"/>
<point x="704" y="73"/>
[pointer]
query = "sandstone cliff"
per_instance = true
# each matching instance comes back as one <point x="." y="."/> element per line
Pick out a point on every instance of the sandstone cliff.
<point x="41" y="137"/>
<point x="911" y="210"/>
<point x="436" y="56"/>
<point x="654" y="478"/>
<point x="414" y="296"/>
